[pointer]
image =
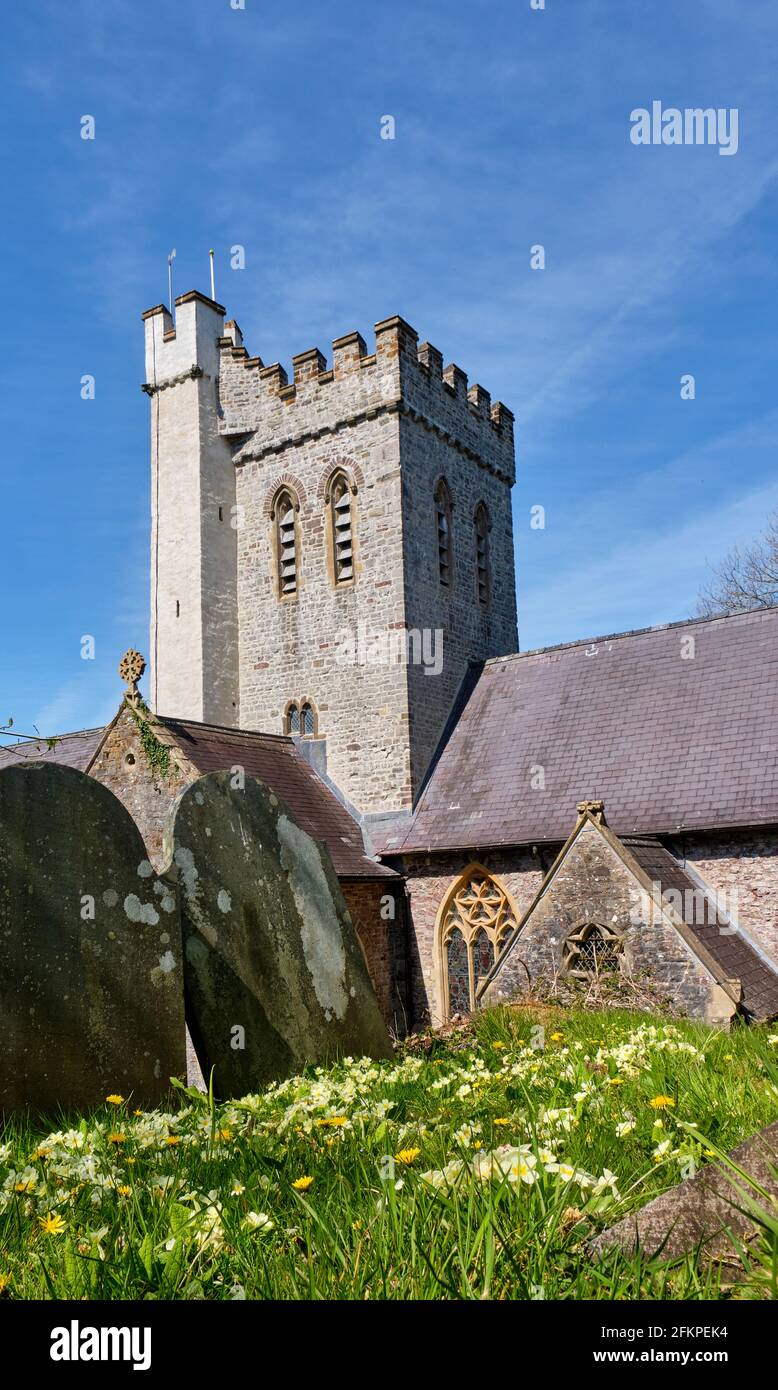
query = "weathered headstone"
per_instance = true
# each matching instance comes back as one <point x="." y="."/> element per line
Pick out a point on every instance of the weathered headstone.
<point x="707" y="1210"/>
<point x="91" y="986"/>
<point x="274" y="974"/>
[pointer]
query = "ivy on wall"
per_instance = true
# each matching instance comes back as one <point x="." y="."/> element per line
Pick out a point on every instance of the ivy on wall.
<point x="156" y="753"/>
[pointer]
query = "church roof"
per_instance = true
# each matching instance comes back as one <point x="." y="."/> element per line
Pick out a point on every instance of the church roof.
<point x="675" y="728"/>
<point x="72" y="750"/>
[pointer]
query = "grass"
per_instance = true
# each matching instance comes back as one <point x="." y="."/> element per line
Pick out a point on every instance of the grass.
<point x="473" y="1166"/>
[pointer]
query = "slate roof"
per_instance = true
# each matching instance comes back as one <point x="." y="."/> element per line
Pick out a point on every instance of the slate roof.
<point x="668" y="743"/>
<point x="270" y="758"/>
<point x="733" y="953"/>
<point x="73" y="750"/>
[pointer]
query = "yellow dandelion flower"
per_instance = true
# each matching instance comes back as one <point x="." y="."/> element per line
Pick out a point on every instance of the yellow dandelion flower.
<point x="24" y="1187"/>
<point x="138" y="1114"/>
<point x="728" y="1057"/>
<point x="356" y="1225"/>
<point x="123" y="1190"/>
<point x="5" y="1280"/>
<point x="501" y="1121"/>
<point x="557" y="1037"/>
<point x="52" y="1225"/>
<point x="478" y="1144"/>
<point x="117" y="1138"/>
<point x="333" y="1121"/>
<point x="498" y="1046"/>
<point x="224" y="1134"/>
<point x="173" y="1139"/>
<point x="115" y="1100"/>
<point x="407" y="1156"/>
<point x="132" y="1160"/>
<point x="302" y="1184"/>
<point x="616" y="1081"/>
<point x="662" y="1103"/>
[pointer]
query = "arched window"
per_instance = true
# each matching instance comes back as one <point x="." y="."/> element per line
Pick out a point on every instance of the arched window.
<point x="341" y="528"/>
<point x="483" y="577"/>
<point x="308" y="720"/>
<point x="592" y="950"/>
<point x="292" y="718"/>
<point x="300" y="719"/>
<point x="443" y="523"/>
<point x="476" y="923"/>
<point x="284" y="515"/>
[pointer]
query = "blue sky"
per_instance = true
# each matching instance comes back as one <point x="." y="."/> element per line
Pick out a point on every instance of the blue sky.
<point x="260" y="126"/>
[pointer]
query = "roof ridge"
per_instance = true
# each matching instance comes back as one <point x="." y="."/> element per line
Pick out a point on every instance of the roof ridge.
<point x="46" y="738"/>
<point x="629" y="632"/>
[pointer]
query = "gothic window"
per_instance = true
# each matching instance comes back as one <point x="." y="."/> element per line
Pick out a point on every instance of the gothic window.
<point x="591" y="950"/>
<point x="443" y="523"/>
<point x="307" y="719"/>
<point x="284" y="515"/>
<point x="292" y="719"/>
<point x="342" y="528"/>
<point x="476" y="924"/>
<point x="483" y="576"/>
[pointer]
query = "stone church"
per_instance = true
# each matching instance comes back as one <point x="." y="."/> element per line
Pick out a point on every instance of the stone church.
<point x="333" y="611"/>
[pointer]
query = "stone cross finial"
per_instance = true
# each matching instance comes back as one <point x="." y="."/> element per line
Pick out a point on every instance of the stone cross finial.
<point x="131" y="668"/>
<point x="595" y="808"/>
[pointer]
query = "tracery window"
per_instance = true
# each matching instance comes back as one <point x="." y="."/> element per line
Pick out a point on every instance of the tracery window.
<point x="443" y="524"/>
<point x="591" y="950"/>
<point x="476" y="925"/>
<point x="342" y="528"/>
<point x="482" y="565"/>
<point x="284" y="515"/>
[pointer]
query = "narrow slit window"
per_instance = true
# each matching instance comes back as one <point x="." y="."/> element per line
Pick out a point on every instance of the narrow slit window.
<point x="482" y="552"/>
<point x="286" y="543"/>
<point x="443" y="526"/>
<point x="342" y="530"/>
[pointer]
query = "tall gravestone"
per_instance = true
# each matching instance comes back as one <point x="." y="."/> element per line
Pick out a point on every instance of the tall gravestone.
<point x="91" y="987"/>
<point x="275" y="977"/>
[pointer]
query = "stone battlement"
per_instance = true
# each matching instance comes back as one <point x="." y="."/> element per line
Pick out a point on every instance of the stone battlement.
<point x="400" y="376"/>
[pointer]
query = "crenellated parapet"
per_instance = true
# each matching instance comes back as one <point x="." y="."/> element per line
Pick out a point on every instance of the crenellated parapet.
<point x="400" y="377"/>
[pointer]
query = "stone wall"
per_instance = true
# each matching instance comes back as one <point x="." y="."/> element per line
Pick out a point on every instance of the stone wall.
<point x="384" y="941"/>
<point x="593" y="884"/>
<point x="122" y="765"/>
<point x="744" y="863"/>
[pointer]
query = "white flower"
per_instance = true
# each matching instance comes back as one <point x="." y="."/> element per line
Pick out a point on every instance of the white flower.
<point x="258" y="1221"/>
<point x="624" y="1128"/>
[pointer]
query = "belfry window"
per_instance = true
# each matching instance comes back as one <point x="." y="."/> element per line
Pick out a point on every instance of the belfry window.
<point x="342" y="529"/>
<point x="476" y="925"/>
<point x="592" y="950"/>
<point x="443" y="525"/>
<point x="307" y="720"/>
<point x="285" y="518"/>
<point x="292" y="719"/>
<point x="483" y="576"/>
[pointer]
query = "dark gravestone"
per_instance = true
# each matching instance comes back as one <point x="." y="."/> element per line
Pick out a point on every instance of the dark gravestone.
<point x="274" y="973"/>
<point x="91" y="989"/>
<point x="707" y="1210"/>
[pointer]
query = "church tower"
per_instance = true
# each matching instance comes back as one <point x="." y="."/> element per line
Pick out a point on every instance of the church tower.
<point x="328" y="553"/>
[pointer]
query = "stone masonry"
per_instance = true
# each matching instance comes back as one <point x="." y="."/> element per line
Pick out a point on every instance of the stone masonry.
<point x="395" y="423"/>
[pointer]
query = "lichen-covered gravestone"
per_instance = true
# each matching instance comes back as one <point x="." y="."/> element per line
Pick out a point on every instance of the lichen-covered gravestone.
<point x="274" y="974"/>
<point x="91" y="987"/>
